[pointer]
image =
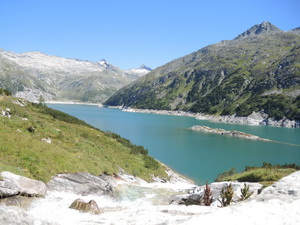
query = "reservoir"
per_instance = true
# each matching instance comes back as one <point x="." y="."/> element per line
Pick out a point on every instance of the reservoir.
<point x="199" y="156"/>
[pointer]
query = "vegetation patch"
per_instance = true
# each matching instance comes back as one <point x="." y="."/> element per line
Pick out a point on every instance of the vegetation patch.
<point x="266" y="174"/>
<point x="57" y="143"/>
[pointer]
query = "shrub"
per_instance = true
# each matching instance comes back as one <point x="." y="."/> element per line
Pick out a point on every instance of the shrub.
<point x="245" y="194"/>
<point x="226" y="195"/>
<point x="207" y="195"/>
<point x="5" y="92"/>
<point x="150" y="163"/>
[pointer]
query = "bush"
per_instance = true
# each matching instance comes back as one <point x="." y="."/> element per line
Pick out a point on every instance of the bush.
<point x="245" y="194"/>
<point x="151" y="163"/>
<point x="207" y="195"/>
<point x="226" y="195"/>
<point x="5" y="92"/>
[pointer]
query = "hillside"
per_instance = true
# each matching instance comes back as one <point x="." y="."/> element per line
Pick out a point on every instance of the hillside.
<point x="32" y="74"/>
<point x="40" y="142"/>
<point x="259" y="70"/>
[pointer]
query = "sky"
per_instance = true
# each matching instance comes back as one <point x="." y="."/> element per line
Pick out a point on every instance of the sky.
<point x="128" y="33"/>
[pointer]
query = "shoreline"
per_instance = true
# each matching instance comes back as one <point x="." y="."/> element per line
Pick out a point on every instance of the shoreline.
<point x="255" y="119"/>
<point x="73" y="103"/>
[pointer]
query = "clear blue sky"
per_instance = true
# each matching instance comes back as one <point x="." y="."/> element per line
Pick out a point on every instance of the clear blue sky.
<point x="128" y="33"/>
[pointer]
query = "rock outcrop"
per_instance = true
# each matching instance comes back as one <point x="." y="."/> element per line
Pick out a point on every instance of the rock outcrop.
<point x="232" y="133"/>
<point x="82" y="206"/>
<point x="13" y="184"/>
<point x="81" y="183"/>
<point x="17" y="216"/>
<point x="256" y="118"/>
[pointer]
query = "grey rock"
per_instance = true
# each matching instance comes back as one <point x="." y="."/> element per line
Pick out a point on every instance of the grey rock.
<point x="13" y="184"/>
<point x="81" y="183"/>
<point x="286" y="189"/>
<point x="17" y="216"/>
<point x="82" y="206"/>
<point x="17" y="200"/>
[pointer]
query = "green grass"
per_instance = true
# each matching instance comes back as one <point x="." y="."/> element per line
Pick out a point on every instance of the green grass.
<point x="266" y="175"/>
<point x="75" y="146"/>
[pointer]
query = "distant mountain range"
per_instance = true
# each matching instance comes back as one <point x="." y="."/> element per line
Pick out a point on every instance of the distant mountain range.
<point x="258" y="71"/>
<point x="34" y="74"/>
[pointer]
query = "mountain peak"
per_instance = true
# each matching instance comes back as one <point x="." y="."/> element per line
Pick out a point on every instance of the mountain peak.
<point x="295" y="31"/>
<point x="145" y="67"/>
<point x="264" y="27"/>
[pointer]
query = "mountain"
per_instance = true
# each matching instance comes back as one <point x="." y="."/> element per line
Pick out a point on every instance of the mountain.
<point x="32" y="74"/>
<point x="141" y="71"/>
<point x="259" y="70"/>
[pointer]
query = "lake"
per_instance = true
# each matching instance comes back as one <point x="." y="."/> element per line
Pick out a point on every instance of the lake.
<point x="199" y="156"/>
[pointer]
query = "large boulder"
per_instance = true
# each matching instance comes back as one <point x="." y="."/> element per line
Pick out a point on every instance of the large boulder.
<point x="17" y="216"/>
<point x="13" y="184"/>
<point x="82" y="206"/>
<point x="81" y="183"/>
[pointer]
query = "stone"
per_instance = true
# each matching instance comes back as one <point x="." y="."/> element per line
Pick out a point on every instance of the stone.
<point x="82" y="206"/>
<point x="47" y="140"/>
<point x="17" y="201"/>
<point x="81" y="183"/>
<point x="14" y="215"/>
<point x="13" y="184"/>
<point x="31" y="129"/>
<point x="193" y="199"/>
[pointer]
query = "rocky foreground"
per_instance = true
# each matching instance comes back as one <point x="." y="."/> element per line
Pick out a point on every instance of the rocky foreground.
<point x="82" y="198"/>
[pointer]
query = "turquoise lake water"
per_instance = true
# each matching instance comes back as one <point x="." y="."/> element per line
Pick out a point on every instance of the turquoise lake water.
<point x="197" y="155"/>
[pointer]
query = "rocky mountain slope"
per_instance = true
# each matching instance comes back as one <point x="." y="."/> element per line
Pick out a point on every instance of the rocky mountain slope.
<point x="32" y="74"/>
<point x="258" y="71"/>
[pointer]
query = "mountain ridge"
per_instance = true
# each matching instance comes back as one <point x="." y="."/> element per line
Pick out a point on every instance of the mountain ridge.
<point x="238" y="76"/>
<point x="33" y="74"/>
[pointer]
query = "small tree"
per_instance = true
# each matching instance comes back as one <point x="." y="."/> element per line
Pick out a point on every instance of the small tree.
<point x="245" y="194"/>
<point x="207" y="195"/>
<point x="226" y="195"/>
<point x="41" y="100"/>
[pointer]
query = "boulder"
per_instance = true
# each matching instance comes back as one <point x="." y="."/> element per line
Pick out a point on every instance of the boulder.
<point x="81" y="183"/>
<point x="18" y="201"/>
<point x="15" y="215"/>
<point x="13" y="184"/>
<point x="193" y="199"/>
<point x="82" y="206"/>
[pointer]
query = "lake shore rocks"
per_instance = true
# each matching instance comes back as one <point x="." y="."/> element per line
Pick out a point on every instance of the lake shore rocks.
<point x="82" y="184"/>
<point x="13" y="184"/>
<point x="256" y="118"/>
<point x="232" y="133"/>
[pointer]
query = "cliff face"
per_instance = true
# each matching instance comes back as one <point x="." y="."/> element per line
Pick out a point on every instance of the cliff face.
<point x="257" y="71"/>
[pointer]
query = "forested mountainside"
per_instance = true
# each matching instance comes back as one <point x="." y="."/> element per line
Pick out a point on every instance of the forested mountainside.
<point x="259" y="70"/>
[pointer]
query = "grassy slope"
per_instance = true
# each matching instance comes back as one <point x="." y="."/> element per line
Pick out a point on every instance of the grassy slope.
<point x="74" y="146"/>
<point x="265" y="175"/>
<point x="237" y="76"/>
